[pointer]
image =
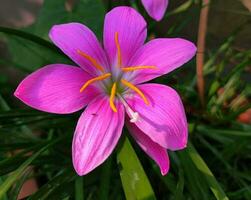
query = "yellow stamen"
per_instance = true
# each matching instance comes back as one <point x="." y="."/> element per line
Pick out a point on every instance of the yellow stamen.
<point x="128" y="69"/>
<point x="113" y="93"/>
<point x="99" y="78"/>
<point x="133" y="87"/>
<point x="118" y="48"/>
<point x="92" y="60"/>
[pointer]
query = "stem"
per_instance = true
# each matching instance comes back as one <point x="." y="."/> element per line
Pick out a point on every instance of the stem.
<point x="201" y="48"/>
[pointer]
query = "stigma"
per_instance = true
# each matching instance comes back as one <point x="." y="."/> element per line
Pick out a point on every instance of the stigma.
<point x="134" y="116"/>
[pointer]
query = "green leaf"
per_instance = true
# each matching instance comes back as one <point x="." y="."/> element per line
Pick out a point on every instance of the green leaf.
<point x="11" y="179"/>
<point x="29" y="36"/>
<point x="206" y="172"/>
<point x="231" y="132"/>
<point x="16" y="174"/>
<point x="79" y="188"/>
<point x="64" y="176"/>
<point x="32" y="56"/>
<point x="19" y="184"/>
<point x="88" y="12"/>
<point x="134" y="180"/>
<point x="35" y="52"/>
<point x="105" y="180"/>
<point x="182" y="8"/>
<point x="195" y="184"/>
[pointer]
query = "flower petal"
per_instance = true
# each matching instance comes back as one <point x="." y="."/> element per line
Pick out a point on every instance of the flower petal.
<point x="72" y="37"/>
<point x="165" y="54"/>
<point x="55" y="88"/>
<point x="164" y="120"/>
<point x="131" y="29"/>
<point x="97" y="133"/>
<point x="155" y="8"/>
<point x="154" y="150"/>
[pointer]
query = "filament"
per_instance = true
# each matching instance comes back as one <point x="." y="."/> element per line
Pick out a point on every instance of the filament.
<point x="113" y="93"/>
<point x="118" y="48"/>
<point x="92" y="60"/>
<point x="99" y="78"/>
<point x="137" y="90"/>
<point x="134" y="68"/>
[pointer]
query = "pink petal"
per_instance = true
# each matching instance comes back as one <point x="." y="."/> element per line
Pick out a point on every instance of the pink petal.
<point x="154" y="150"/>
<point x="155" y="8"/>
<point x="164" y="120"/>
<point x="72" y="37"/>
<point x="165" y="54"/>
<point x="55" y="88"/>
<point x="97" y="133"/>
<point x="131" y="28"/>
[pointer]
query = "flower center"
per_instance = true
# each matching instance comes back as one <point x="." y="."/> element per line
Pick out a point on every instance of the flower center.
<point x="115" y="86"/>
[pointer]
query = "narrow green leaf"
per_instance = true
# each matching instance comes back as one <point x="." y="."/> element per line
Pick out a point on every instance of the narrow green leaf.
<point x="225" y="132"/>
<point x="16" y="174"/>
<point x="63" y="177"/>
<point x="4" y="197"/>
<point x="197" y="186"/>
<point x="19" y="184"/>
<point x="203" y="168"/>
<point x="3" y="105"/>
<point x="29" y="36"/>
<point x="180" y="186"/>
<point x="134" y="180"/>
<point x="11" y="179"/>
<point x="79" y="188"/>
<point x="183" y="7"/>
<point x="105" y="180"/>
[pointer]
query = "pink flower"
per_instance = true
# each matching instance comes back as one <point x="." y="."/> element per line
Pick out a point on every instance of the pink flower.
<point x="109" y="82"/>
<point x="155" y="8"/>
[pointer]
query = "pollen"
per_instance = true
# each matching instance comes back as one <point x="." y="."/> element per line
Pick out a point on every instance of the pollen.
<point x="113" y="93"/>
<point x="137" y="90"/>
<point x="134" y="68"/>
<point x="118" y="48"/>
<point x="99" y="78"/>
<point x="92" y="60"/>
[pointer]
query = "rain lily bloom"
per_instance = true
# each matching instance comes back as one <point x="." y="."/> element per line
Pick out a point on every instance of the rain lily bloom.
<point x="155" y="8"/>
<point x="109" y="82"/>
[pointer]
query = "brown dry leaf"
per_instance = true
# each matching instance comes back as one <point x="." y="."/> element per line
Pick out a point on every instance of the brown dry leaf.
<point x="247" y="4"/>
<point x="245" y="117"/>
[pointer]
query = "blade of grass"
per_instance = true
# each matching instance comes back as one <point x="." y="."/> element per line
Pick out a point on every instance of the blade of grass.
<point x="29" y="36"/>
<point x="231" y="132"/>
<point x="180" y="186"/>
<point x="64" y="176"/>
<point x="4" y="197"/>
<point x="203" y="168"/>
<point x="79" y="188"/>
<point x="197" y="187"/>
<point x="10" y="180"/>
<point x="134" y="180"/>
<point x="105" y="180"/>
<point x="182" y="8"/>
<point x="19" y="184"/>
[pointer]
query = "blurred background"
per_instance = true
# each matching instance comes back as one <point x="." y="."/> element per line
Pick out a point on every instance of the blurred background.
<point x="35" y="147"/>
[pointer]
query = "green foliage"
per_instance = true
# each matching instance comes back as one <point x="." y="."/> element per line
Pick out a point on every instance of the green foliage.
<point x="215" y="165"/>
